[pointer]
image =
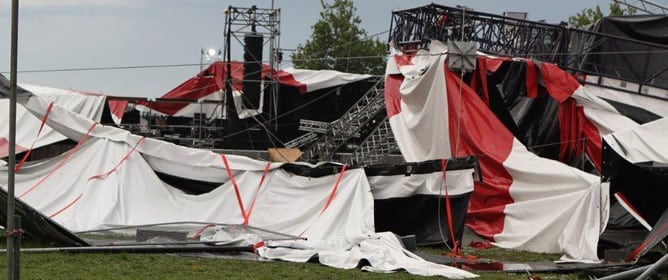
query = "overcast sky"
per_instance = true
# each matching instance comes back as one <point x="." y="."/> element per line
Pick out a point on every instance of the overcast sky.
<point x="66" y="34"/>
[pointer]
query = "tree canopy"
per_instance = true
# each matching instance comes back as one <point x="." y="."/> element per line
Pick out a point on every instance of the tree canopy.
<point x="590" y="16"/>
<point x="339" y="43"/>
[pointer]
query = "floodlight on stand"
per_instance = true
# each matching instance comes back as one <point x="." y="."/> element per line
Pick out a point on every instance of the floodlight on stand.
<point x="210" y="52"/>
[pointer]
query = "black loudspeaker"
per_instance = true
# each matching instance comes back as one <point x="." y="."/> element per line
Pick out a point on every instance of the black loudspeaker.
<point x="252" y="71"/>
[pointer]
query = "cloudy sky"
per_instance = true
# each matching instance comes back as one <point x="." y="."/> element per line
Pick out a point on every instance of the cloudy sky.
<point x="69" y="34"/>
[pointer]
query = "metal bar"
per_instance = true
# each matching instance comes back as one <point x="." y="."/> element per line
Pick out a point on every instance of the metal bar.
<point x="192" y="223"/>
<point x="12" y="249"/>
<point x="629" y="273"/>
<point x="656" y="5"/>
<point x="654" y="267"/>
<point x="634" y="6"/>
<point x="140" y="249"/>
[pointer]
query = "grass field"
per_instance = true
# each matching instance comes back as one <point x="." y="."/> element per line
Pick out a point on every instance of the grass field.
<point x="164" y="266"/>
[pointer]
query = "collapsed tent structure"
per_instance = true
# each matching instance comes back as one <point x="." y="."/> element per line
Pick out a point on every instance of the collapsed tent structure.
<point x="93" y="106"/>
<point x="528" y="104"/>
<point x="118" y="185"/>
<point x="548" y="148"/>
<point x="523" y="199"/>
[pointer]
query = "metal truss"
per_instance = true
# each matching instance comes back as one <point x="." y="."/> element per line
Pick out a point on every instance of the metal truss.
<point x="340" y="131"/>
<point x="492" y="33"/>
<point x="376" y="146"/>
<point x="645" y="6"/>
<point x="498" y="35"/>
<point x="415" y="28"/>
<point x="240" y="22"/>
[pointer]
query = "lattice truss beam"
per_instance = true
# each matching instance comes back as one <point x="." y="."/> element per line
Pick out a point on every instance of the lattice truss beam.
<point x="645" y="6"/>
<point x="506" y="36"/>
<point x="491" y="33"/>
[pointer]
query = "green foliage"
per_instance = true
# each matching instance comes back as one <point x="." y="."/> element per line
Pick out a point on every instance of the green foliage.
<point x="590" y="16"/>
<point x="338" y="43"/>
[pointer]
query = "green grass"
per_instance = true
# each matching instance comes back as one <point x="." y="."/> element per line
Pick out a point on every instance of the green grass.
<point x="162" y="266"/>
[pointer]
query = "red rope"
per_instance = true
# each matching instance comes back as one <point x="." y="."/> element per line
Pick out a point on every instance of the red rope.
<point x="62" y="162"/>
<point x="41" y="127"/>
<point x="448" y="210"/>
<point x="234" y="183"/>
<point x="259" y="186"/>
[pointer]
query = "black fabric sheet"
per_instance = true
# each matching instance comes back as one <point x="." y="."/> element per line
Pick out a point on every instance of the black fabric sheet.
<point x="533" y="121"/>
<point x="644" y="185"/>
<point x="627" y="60"/>
<point x="422" y="215"/>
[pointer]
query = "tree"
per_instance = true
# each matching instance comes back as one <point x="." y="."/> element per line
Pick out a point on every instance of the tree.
<point x="590" y="16"/>
<point x="338" y="43"/>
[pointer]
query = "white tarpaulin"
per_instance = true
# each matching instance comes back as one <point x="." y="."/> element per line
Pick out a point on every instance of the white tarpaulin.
<point x="208" y="86"/>
<point x="88" y="105"/>
<point x="642" y="143"/>
<point x="116" y="184"/>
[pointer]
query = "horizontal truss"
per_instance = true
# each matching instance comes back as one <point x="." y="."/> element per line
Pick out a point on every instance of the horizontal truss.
<point x="499" y="35"/>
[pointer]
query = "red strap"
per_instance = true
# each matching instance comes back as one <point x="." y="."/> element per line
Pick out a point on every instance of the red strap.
<point x="198" y="233"/>
<point x="258" y="245"/>
<point x="331" y="195"/>
<point x="97" y="177"/>
<point x="127" y="155"/>
<point x="66" y="206"/>
<point x="41" y="127"/>
<point x="448" y="210"/>
<point x="234" y="183"/>
<point x="250" y="210"/>
<point x="62" y="162"/>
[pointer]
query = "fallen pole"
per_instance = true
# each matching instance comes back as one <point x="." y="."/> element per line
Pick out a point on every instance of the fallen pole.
<point x="629" y="274"/>
<point x="662" y="262"/>
<point x="139" y="249"/>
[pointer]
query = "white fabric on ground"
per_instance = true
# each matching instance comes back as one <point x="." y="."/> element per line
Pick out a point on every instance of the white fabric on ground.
<point x="383" y="251"/>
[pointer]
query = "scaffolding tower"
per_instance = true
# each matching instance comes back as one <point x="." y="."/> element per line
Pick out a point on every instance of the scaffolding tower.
<point x="261" y="22"/>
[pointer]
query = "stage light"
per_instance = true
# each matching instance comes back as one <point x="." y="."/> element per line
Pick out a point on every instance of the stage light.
<point x="207" y="55"/>
<point x="211" y="52"/>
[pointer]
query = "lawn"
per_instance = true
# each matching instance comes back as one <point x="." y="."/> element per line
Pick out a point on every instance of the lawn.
<point x="165" y="266"/>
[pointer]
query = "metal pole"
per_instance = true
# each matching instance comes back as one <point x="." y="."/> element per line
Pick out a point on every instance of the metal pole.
<point x="629" y="274"/>
<point x="140" y="249"/>
<point x="12" y="254"/>
<point x="653" y="268"/>
<point x="17" y="248"/>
